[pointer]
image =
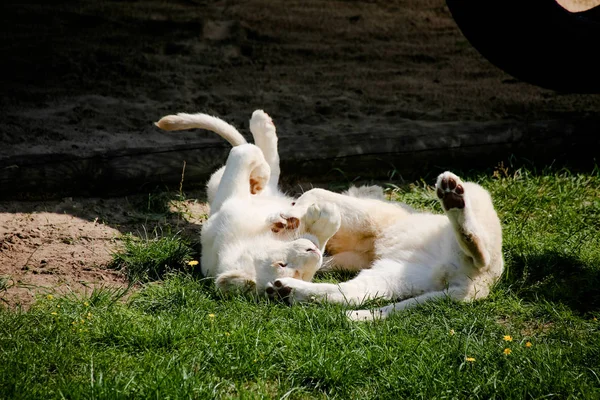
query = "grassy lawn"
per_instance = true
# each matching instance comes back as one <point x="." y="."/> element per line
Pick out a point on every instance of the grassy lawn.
<point x="536" y="336"/>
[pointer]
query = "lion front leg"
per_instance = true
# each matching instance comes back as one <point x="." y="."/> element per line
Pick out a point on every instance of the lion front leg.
<point x="367" y="285"/>
<point x="318" y="224"/>
<point x="265" y="137"/>
<point x="298" y="291"/>
<point x="321" y="221"/>
<point x="457" y="199"/>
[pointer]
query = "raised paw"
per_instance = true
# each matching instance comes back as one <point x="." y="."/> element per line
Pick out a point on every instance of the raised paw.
<point x="450" y="190"/>
<point x="281" y="223"/>
<point x="261" y="123"/>
<point x="322" y="220"/>
<point x="259" y="178"/>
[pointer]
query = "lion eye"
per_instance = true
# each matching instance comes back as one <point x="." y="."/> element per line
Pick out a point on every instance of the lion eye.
<point x="281" y="264"/>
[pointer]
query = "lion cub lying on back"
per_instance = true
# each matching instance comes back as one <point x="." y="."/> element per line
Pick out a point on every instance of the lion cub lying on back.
<point x="240" y="248"/>
<point x="246" y="244"/>
<point x="407" y="255"/>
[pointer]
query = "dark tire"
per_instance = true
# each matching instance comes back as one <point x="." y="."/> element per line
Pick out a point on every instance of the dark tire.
<point x="536" y="41"/>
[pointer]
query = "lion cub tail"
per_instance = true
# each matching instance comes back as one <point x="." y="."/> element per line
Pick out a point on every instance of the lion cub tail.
<point x="184" y="121"/>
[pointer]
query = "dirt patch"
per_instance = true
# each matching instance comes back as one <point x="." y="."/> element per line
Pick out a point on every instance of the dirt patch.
<point x="50" y="250"/>
<point x="66" y="246"/>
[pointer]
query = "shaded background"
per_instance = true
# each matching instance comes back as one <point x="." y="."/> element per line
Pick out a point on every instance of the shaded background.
<point x="349" y="84"/>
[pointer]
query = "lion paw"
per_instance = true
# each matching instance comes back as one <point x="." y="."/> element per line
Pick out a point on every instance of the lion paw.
<point x="261" y="123"/>
<point x="281" y="289"/>
<point x="281" y="222"/>
<point x="259" y="178"/>
<point x="450" y="190"/>
<point x="322" y="220"/>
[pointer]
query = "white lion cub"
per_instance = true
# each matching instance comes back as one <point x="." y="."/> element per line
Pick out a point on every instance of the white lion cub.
<point x="240" y="248"/>
<point x="246" y="243"/>
<point x="411" y="256"/>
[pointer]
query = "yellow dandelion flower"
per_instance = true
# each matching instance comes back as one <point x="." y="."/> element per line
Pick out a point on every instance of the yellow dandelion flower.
<point x="227" y="333"/>
<point x="211" y="315"/>
<point x="451" y="332"/>
<point x="89" y="315"/>
<point x="58" y="306"/>
<point x="192" y="263"/>
<point x="508" y="338"/>
<point x="470" y="359"/>
<point x="255" y="360"/>
<point x="528" y="344"/>
<point x="53" y="313"/>
<point x="507" y="351"/>
<point x="86" y="303"/>
<point x="50" y="297"/>
<point x="74" y="323"/>
<point x="83" y="321"/>
<point x="594" y="319"/>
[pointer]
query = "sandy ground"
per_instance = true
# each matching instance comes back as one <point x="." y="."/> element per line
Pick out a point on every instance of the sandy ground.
<point x="92" y="75"/>
<point x="50" y="250"/>
<point x="65" y="246"/>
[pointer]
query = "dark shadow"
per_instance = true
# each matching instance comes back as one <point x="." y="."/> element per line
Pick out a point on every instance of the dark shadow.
<point x="555" y="277"/>
<point x="354" y="92"/>
<point x="537" y="41"/>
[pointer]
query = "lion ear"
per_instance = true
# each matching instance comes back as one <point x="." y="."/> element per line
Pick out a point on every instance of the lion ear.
<point x="236" y="282"/>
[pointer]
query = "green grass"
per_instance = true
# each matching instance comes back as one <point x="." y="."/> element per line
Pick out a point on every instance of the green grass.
<point x="151" y="257"/>
<point x="176" y="338"/>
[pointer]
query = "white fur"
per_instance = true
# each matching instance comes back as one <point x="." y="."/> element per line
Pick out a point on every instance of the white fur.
<point x="372" y="192"/>
<point x="184" y="121"/>
<point x="246" y="243"/>
<point x="239" y="245"/>
<point x="262" y="129"/>
<point x="407" y="255"/>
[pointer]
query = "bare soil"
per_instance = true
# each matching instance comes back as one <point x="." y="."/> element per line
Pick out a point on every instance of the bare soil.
<point x="65" y="246"/>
